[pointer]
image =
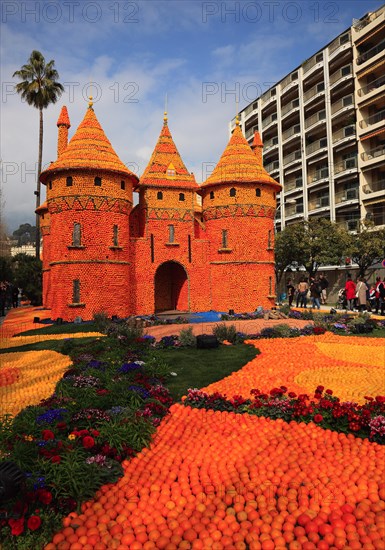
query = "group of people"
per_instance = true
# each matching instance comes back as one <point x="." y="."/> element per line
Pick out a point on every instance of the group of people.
<point x="314" y="288"/>
<point x="10" y="296"/>
<point x="359" y="296"/>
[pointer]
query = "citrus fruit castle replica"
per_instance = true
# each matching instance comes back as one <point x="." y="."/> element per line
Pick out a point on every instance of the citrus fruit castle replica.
<point x="184" y="246"/>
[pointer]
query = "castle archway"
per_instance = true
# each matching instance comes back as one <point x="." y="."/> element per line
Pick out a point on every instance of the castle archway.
<point x="171" y="287"/>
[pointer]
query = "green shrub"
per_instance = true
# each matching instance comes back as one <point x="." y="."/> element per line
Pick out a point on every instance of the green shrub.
<point x="187" y="338"/>
<point x="101" y="321"/>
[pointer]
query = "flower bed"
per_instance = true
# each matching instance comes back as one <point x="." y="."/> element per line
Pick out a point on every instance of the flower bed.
<point x="104" y="410"/>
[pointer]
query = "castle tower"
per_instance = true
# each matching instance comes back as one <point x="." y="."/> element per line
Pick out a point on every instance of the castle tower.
<point x="239" y="201"/>
<point x="45" y="234"/>
<point x="167" y="254"/>
<point x="64" y="125"/>
<point x="89" y="199"/>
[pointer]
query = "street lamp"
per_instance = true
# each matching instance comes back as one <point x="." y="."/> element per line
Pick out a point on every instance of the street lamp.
<point x="285" y="203"/>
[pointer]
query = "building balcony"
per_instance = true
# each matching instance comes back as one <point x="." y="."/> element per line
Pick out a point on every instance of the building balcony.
<point x="366" y="23"/>
<point x="374" y="187"/>
<point x="293" y="184"/>
<point x="342" y="105"/>
<point x="350" y="224"/>
<point x="344" y="197"/>
<point x="376" y="214"/>
<point x="318" y="147"/>
<point x="369" y="54"/>
<point x="291" y="132"/>
<point x="251" y="109"/>
<point x="293" y="210"/>
<point x="372" y="120"/>
<point x="270" y="145"/>
<point x="268" y="96"/>
<point x="375" y="154"/>
<point x="251" y="131"/>
<point x="380" y="81"/>
<point x="344" y="134"/>
<point x="339" y="45"/>
<point x="319" y="202"/>
<point x="318" y="176"/>
<point x="272" y="167"/>
<point x="289" y="82"/>
<point x="313" y="64"/>
<point x="315" y="92"/>
<point x="291" y="107"/>
<point x="295" y="156"/>
<point x="345" y="167"/>
<point x="314" y="120"/>
<point x="342" y="74"/>
<point x="269" y="121"/>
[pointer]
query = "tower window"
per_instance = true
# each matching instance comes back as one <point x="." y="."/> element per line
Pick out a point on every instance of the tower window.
<point x="257" y="192"/>
<point x="98" y="181"/>
<point x="122" y="184"/>
<point x="159" y="195"/>
<point x="233" y="192"/>
<point x="181" y="196"/>
<point x="269" y="239"/>
<point x="211" y="194"/>
<point x="171" y="233"/>
<point x="76" y="291"/>
<point x="170" y="173"/>
<point x="69" y="181"/>
<point x="77" y="235"/>
<point x="224" y="238"/>
<point x="50" y="185"/>
<point x="115" y="236"/>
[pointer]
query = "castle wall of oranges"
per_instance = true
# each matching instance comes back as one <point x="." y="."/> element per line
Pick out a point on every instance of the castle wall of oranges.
<point x="170" y="251"/>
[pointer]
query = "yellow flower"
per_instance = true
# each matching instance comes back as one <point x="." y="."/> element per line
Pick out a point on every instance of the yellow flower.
<point x="72" y="436"/>
<point x="28" y="437"/>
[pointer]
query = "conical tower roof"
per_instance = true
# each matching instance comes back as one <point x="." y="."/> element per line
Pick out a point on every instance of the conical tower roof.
<point x="166" y="158"/>
<point x="89" y="149"/>
<point x="64" y="119"/>
<point x="238" y="164"/>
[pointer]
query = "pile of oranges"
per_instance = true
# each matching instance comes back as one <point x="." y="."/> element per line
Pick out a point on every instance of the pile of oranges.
<point x="224" y="481"/>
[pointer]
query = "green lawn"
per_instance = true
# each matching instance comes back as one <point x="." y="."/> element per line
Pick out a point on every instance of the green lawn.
<point x="197" y="368"/>
<point x="66" y="328"/>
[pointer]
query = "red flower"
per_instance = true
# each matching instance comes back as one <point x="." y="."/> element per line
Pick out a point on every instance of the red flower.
<point x="380" y="399"/>
<point x="44" y="496"/>
<point x="318" y="418"/>
<point x="55" y="459"/>
<point x="292" y="395"/>
<point x="88" y="442"/>
<point x="34" y="523"/>
<point x="47" y="434"/>
<point x="95" y="433"/>
<point x="329" y="392"/>
<point x="17" y="526"/>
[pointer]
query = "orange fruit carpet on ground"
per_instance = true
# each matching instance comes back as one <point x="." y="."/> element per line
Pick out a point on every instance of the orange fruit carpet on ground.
<point x="236" y="482"/>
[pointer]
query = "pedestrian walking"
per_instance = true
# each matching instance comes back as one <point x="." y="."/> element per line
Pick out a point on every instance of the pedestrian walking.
<point x="361" y="290"/>
<point x="350" y="291"/>
<point x="324" y="283"/>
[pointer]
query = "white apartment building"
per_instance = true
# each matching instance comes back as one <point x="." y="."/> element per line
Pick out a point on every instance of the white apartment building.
<point x="323" y="129"/>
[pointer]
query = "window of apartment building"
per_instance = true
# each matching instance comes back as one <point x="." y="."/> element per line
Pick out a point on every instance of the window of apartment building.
<point x="115" y="235"/>
<point x="171" y="233"/>
<point x="294" y="76"/>
<point x="323" y="142"/>
<point x="77" y="235"/>
<point x="159" y="195"/>
<point x="346" y="70"/>
<point x="322" y="115"/>
<point x="320" y="87"/>
<point x="274" y="141"/>
<point x="344" y="39"/>
<point x="319" y="57"/>
<point x="224" y="238"/>
<point x="69" y="181"/>
<point x="98" y="181"/>
<point x="76" y="291"/>
<point x="233" y="192"/>
<point x="211" y="194"/>
<point x="347" y="100"/>
<point x="181" y="197"/>
<point x="273" y="92"/>
<point x="122" y="185"/>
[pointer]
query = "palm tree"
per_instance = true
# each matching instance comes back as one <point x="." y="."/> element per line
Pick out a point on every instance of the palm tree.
<point x="39" y="88"/>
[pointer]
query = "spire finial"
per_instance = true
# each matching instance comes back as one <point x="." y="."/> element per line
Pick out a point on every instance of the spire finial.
<point x="165" y="118"/>
<point x="236" y="111"/>
<point x="90" y="103"/>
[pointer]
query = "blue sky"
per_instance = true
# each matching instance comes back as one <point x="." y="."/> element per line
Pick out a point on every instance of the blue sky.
<point x="201" y="54"/>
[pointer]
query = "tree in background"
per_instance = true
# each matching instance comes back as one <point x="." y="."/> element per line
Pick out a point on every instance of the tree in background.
<point x="40" y="88"/>
<point x="26" y="234"/>
<point x="367" y="247"/>
<point x="311" y="243"/>
<point x="27" y="274"/>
